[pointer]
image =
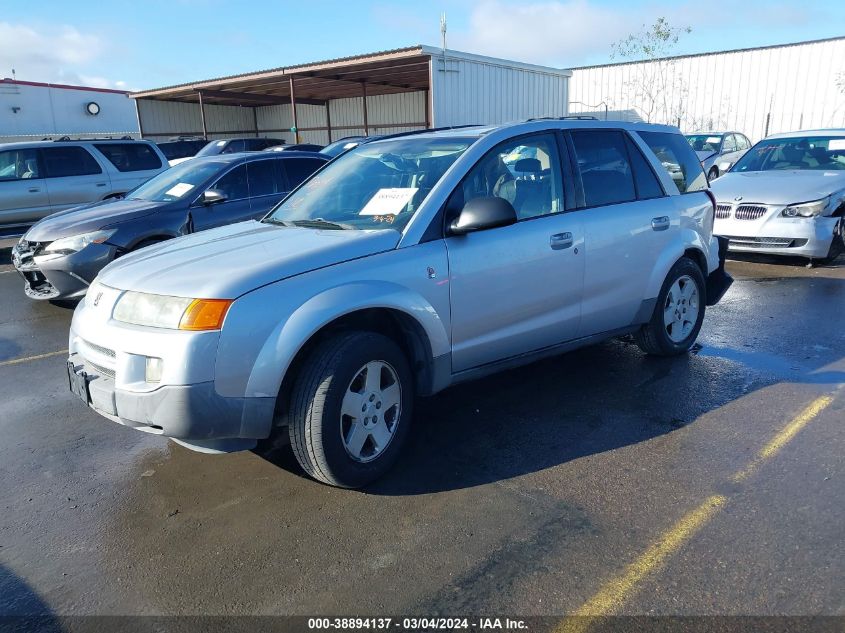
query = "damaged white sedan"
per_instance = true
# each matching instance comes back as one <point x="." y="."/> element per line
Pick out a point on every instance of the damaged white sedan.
<point x="786" y="196"/>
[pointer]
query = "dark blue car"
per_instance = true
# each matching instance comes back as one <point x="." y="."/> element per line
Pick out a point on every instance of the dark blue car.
<point x="60" y="255"/>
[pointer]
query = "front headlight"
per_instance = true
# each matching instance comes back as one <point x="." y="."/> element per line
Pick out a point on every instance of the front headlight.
<point x="175" y="313"/>
<point x="75" y="243"/>
<point x="806" y="209"/>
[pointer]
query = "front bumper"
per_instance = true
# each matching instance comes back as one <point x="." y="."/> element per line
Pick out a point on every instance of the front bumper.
<point x="774" y="234"/>
<point x="184" y="405"/>
<point x="193" y="415"/>
<point x="719" y="280"/>
<point x="59" y="276"/>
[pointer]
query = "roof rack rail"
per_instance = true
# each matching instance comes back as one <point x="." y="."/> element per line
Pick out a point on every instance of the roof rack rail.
<point x="65" y="139"/>
<point x="429" y="129"/>
<point x="579" y="117"/>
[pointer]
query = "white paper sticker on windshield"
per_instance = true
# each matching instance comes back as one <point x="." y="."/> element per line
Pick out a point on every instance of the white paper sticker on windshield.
<point x="714" y="139"/>
<point x="221" y="143"/>
<point x="389" y="201"/>
<point x="177" y="191"/>
<point x="836" y="144"/>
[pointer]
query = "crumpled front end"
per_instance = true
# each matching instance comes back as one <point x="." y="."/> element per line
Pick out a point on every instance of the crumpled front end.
<point x="56" y="276"/>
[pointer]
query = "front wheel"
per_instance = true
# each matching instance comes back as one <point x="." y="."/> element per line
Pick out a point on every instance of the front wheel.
<point x="351" y="408"/>
<point x="679" y="312"/>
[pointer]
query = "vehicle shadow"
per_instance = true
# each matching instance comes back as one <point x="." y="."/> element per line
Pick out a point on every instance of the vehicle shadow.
<point x="587" y="402"/>
<point x="21" y="609"/>
<point x="783" y="260"/>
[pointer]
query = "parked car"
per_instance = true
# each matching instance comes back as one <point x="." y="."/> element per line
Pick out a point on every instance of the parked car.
<point x="338" y="147"/>
<point x="61" y="255"/>
<point x="295" y="147"/>
<point x="183" y="148"/>
<point x="40" y="178"/>
<point x="403" y="266"/>
<point x="718" y="151"/>
<point x="786" y="196"/>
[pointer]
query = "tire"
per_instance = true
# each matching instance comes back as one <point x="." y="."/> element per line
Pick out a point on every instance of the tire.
<point x="713" y="174"/>
<point x="837" y="245"/>
<point x="324" y="437"/>
<point x="658" y="338"/>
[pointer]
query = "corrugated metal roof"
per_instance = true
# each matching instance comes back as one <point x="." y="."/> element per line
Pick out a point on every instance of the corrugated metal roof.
<point x="282" y="69"/>
<point x="733" y="50"/>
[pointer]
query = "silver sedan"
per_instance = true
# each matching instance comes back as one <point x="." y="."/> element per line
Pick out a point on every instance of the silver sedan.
<point x="718" y="151"/>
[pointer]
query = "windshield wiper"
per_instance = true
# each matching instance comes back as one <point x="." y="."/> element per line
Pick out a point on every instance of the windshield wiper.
<point x="318" y="223"/>
<point x="275" y="221"/>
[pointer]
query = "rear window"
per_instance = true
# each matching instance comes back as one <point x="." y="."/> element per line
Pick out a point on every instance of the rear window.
<point x="69" y="161"/>
<point x="298" y="169"/>
<point x="130" y="156"/>
<point x="678" y="159"/>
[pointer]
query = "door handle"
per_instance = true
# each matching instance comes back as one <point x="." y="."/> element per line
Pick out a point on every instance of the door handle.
<point x="560" y="241"/>
<point x="34" y="189"/>
<point x="660" y="224"/>
<point x="101" y="184"/>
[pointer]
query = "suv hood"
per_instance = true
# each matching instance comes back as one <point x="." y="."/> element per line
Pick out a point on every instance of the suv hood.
<point x="778" y="187"/>
<point x="91" y="217"/>
<point x="226" y="262"/>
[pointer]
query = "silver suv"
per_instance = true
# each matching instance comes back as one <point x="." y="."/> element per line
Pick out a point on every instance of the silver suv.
<point x="402" y="267"/>
<point x="40" y="178"/>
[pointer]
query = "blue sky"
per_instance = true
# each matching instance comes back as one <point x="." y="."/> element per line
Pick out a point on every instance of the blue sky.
<point x="136" y="45"/>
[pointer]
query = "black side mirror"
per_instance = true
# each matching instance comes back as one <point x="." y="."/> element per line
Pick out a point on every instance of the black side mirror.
<point x="483" y="213"/>
<point x="213" y="196"/>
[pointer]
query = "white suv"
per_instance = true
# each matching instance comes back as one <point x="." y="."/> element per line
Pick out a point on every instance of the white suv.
<point x="40" y="178"/>
<point x="403" y="266"/>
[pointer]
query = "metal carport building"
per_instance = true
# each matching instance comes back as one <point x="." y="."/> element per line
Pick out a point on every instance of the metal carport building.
<point x="378" y="93"/>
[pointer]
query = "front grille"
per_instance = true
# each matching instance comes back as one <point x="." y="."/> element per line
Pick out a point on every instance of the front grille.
<point x="102" y="371"/>
<point x="105" y="351"/>
<point x="750" y="212"/>
<point x="98" y="358"/>
<point x="723" y="211"/>
<point x="767" y="242"/>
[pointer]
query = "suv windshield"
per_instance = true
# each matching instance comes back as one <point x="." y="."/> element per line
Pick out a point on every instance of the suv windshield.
<point x="807" y="152"/>
<point x="705" y="142"/>
<point x="176" y="182"/>
<point x="374" y="186"/>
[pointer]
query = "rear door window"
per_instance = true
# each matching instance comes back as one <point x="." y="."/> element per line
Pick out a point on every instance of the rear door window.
<point x="263" y="178"/>
<point x="298" y="169"/>
<point x="19" y="164"/>
<point x="130" y="156"/>
<point x="678" y="159"/>
<point x="606" y="173"/>
<point x="69" y="160"/>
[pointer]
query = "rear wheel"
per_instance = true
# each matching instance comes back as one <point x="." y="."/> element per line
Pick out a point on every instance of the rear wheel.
<point x="350" y="409"/>
<point x="678" y="314"/>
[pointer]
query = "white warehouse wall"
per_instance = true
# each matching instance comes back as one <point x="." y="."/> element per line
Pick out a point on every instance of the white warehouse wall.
<point x="795" y="85"/>
<point x="60" y="110"/>
<point x="386" y="114"/>
<point x="475" y="89"/>
<point x="163" y="119"/>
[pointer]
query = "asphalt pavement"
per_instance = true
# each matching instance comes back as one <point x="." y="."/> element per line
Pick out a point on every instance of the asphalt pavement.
<point x="602" y="482"/>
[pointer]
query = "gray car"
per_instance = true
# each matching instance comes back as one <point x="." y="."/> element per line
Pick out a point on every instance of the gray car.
<point x="786" y="196"/>
<point x="402" y="267"/>
<point x="718" y="151"/>
<point x="40" y="178"/>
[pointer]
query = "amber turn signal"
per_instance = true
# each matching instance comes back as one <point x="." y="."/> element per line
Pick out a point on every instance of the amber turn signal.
<point x="205" y="314"/>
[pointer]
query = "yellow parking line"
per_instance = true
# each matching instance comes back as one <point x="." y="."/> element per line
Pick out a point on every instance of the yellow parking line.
<point x="17" y="361"/>
<point x="784" y="436"/>
<point x="614" y="593"/>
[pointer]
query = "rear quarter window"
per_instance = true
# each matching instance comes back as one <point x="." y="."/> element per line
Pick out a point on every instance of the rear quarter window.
<point x="678" y="159"/>
<point x="130" y="156"/>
